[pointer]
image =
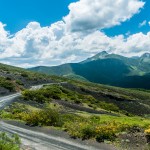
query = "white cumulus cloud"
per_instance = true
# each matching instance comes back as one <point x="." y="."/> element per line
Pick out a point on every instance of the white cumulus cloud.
<point x="87" y="15"/>
<point x="55" y="44"/>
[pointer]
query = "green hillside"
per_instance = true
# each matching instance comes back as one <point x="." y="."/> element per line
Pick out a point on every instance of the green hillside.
<point x="14" y="79"/>
<point x="86" y="110"/>
<point x="110" y="69"/>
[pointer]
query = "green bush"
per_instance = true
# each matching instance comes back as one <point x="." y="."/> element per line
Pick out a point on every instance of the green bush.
<point x="101" y="137"/>
<point x="93" y="128"/>
<point x="34" y="96"/>
<point x="7" y="84"/>
<point x="77" y="101"/>
<point x="9" y="142"/>
<point x="42" y="95"/>
<point x="88" y="132"/>
<point x="108" y="106"/>
<point x="19" y="82"/>
<point x="46" y="117"/>
<point x="24" y="75"/>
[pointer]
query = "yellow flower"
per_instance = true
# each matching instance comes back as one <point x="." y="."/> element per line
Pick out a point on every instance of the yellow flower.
<point x="147" y="131"/>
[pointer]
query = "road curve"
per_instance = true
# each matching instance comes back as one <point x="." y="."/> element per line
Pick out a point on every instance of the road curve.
<point x="6" y="100"/>
<point x="41" y="141"/>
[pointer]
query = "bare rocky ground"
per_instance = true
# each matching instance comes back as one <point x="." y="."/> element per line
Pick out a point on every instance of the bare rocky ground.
<point x="127" y="105"/>
<point x="78" y="107"/>
<point x="133" y="140"/>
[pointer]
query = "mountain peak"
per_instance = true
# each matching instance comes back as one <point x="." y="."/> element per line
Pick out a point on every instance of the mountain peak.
<point x="146" y="55"/>
<point x="145" y="58"/>
<point x="100" y="55"/>
<point x="103" y="53"/>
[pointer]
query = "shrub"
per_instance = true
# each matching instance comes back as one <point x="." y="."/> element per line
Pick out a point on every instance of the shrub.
<point x="147" y="131"/>
<point x="34" y="96"/>
<point x="9" y="142"/>
<point x="92" y="128"/>
<point x="95" y="119"/>
<point x="88" y="132"/>
<point x="106" y="132"/>
<point x="7" y="84"/>
<point x="8" y="78"/>
<point x="19" y="82"/>
<point x="47" y="117"/>
<point x="108" y="106"/>
<point x="77" y="101"/>
<point x="24" y="75"/>
<point x="42" y="95"/>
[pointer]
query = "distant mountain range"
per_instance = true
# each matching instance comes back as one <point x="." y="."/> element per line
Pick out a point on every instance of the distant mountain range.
<point x="104" y="68"/>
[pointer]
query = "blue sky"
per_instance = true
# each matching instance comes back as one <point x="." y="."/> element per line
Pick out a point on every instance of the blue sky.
<point x="132" y="25"/>
<point x="17" y="14"/>
<point x="53" y="32"/>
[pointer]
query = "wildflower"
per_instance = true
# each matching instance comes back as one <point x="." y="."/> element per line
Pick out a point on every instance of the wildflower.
<point x="147" y="131"/>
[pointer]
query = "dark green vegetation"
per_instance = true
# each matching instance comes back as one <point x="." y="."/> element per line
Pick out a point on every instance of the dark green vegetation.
<point x="108" y="69"/>
<point x="9" y="142"/>
<point x="15" y="79"/>
<point x="7" y="84"/>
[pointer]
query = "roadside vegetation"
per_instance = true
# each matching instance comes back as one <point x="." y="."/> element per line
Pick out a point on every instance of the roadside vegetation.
<point x="8" y="142"/>
<point x="6" y="83"/>
<point x="78" y="125"/>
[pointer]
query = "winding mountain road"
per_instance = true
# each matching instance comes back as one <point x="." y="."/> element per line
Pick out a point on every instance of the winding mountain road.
<point x="41" y="141"/>
<point x="36" y="140"/>
<point x="6" y="100"/>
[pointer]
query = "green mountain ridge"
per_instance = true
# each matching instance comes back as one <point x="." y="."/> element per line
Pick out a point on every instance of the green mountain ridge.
<point x="104" y="68"/>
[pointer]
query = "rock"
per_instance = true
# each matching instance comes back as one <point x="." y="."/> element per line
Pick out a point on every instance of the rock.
<point x="135" y="129"/>
<point x="127" y="140"/>
<point x="148" y="138"/>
